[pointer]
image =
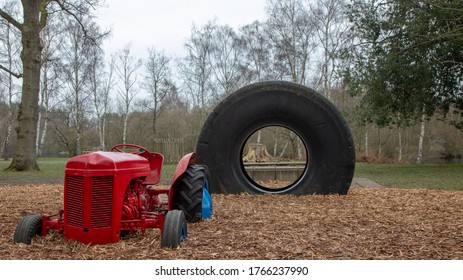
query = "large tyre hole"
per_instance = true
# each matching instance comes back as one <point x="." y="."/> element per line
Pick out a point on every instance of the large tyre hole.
<point x="274" y="158"/>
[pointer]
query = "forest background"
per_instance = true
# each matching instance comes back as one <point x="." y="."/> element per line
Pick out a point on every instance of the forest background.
<point x="393" y="68"/>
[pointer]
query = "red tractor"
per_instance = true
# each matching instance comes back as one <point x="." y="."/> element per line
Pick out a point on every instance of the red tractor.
<point x="108" y="194"/>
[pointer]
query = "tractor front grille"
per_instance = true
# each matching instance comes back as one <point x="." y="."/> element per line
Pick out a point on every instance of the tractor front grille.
<point x="75" y="200"/>
<point x="101" y="201"/>
<point x="100" y="204"/>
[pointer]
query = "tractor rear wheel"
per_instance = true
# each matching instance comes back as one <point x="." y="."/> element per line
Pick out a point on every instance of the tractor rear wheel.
<point x="175" y="229"/>
<point x="193" y="193"/>
<point x="27" y="228"/>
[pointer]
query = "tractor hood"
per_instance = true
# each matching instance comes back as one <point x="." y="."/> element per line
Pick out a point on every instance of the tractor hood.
<point x="107" y="164"/>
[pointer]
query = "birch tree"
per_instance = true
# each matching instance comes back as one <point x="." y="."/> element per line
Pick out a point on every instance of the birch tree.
<point x="51" y="79"/>
<point x="101" y="84"/>
<point x="197" y="76"/>
<point x="77" y="71"/>
<point x="226" y="58"/>
<point x="126" y="69"/>
<point x="195" y="67"/>
<point x="9" y="50"/>
<point x="332" y="33"/>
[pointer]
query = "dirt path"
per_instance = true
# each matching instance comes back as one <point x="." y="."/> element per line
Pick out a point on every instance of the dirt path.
<point x="367" y="183"/>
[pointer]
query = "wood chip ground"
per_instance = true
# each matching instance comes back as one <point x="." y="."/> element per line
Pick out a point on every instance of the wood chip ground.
<point x="364" y="224"/>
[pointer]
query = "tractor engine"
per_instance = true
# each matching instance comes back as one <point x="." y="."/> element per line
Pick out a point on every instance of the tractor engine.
<point x="139" y="200"/>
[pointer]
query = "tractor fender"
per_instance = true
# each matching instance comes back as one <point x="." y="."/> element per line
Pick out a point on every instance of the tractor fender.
<point x="182" y="166"/>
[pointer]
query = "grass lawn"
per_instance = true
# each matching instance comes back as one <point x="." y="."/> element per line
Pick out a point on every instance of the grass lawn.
<point x="51" y="171"/>
<point x="431" y="176"/>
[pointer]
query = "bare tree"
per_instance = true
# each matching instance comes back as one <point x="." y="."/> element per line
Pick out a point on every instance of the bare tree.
<point x="126" y="70"/>
<point x="77" y="68"/>
<point x="51" y="79"/>
<point x="256" y="48"/>
<point x="101" y="84"/>
<point x="195" y="68"/>
<point x="61" y="130"/>
<point x="332" y="33"/>
<point x="226" y="58"/>
<point x="157" y="81"/>
<point x="34" y="19"/>
<point x="291" y="32"/>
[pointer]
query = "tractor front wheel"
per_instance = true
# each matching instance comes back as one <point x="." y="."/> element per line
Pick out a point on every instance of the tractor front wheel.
<point x="27" y="228"/>
<point x="175" y="229"/>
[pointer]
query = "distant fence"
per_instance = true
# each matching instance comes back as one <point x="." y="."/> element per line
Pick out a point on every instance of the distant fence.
<point x="279" y="171"/>
<point x="172" y="148"/>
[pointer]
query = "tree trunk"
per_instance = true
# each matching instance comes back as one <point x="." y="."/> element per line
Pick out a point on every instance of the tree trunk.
<point x="100" y="131"/>
<point x="366" y="140"/>
<point x="37" y="139"/>
<point x="257" y="153"/>
<point x="380" y="147"/>
<point x="400" y="145"/>
<point x="299" y="148"/>
<point x="25" y="155"/>
<point x="78" y="141"/>
<point x="284" y="149"/>
<point x="275" y="145"/>
<point x="154" y="122"/>
<point x="102" y="137"/>
<point x="44" y="99"/>
<point x="6" y="141"/>
<point x="124" y="133"/>
<point x="44" y="133"/>
<point x="419" y="158"/>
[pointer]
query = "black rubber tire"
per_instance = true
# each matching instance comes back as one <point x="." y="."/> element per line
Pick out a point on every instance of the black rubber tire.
<point x="190" y="192"/>
<point x="27" y="228"/>
<point x="275" y="103"/>
<point x="175" y="229"/>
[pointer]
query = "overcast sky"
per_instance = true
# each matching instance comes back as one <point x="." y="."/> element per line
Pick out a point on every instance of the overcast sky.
<point x="166" y="24"/>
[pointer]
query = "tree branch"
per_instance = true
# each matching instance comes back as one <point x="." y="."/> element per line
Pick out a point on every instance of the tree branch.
<point x="11" y="72"/>
<point x="62" y="5"/>
<point x="10" y="19"/>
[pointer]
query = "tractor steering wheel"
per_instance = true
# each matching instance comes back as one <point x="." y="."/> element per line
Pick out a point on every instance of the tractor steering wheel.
<point x="142" y="151"/>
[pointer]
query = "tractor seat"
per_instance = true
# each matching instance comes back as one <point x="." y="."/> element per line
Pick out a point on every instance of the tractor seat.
<point x="155" y="160"/>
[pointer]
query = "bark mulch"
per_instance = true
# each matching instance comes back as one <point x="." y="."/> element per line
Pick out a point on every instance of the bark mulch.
<point x="364" y="224"/>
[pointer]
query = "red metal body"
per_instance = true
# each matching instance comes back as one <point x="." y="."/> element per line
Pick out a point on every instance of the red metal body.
<point x="181" y="168"/>
<point x="107" y="193"/>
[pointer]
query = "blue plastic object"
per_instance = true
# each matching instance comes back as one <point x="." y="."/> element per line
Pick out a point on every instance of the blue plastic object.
<point x="206" y="211"/>
<point x="184" y="233"/>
